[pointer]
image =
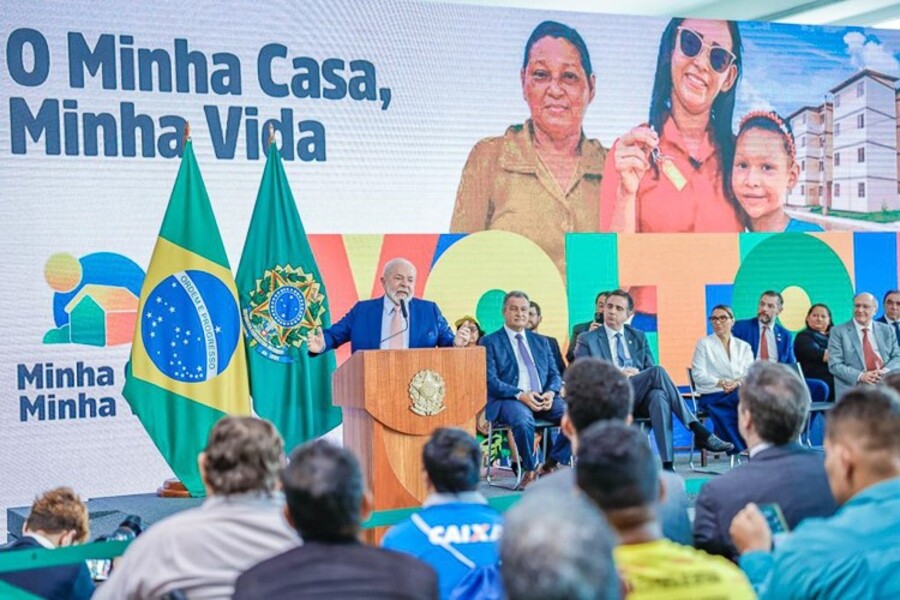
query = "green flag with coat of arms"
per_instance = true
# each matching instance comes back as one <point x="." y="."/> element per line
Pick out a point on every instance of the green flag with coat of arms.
<point x="282" y="298"/>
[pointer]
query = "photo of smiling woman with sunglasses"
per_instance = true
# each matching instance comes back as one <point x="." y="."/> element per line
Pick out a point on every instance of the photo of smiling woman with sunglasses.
<point x="667" y="176"/>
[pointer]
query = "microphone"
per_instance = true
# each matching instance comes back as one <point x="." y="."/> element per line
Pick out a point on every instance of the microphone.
<point x="695" y="163"/>
<point x="404" y="311"/>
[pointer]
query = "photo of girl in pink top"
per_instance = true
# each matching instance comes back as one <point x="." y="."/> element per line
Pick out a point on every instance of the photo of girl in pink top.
<point x="667" y="176"/>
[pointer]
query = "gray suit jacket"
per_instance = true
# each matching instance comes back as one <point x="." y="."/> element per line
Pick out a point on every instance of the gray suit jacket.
<point x="845" y="354"/>
<point x="595" y="344"/>
<point x="791" y="476"/>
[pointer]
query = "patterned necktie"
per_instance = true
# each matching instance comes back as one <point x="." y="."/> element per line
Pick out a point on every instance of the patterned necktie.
<point x="873" y="362"/>
<point x="764" y="343"/>
<point x="396" y="341"/>
<point x="529" y="365"/>
<point x="624" y="362"/>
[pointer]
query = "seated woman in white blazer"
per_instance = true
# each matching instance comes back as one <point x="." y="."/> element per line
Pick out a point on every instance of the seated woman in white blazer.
<point x="720" y="363"/>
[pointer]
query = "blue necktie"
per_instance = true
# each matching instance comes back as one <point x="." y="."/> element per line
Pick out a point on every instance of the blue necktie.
<point x="620" y="352"/>
<point x="896" y="325"/>
<point x="529" y="364"/>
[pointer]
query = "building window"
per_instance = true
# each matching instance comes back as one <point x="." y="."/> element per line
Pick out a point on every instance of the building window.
<point x="860" y="120"/>
<point x="802" y="190"/>
<point x="837" y="190"/>
<point x="802" y="166"/>
<point x="861" y="189"/>
<point x="837" y="159"/>
<point x="837" y="100"/>
<point x="860" y="89"/>
<point x="861" y="154"/>
<point x="837" y="129"/>
<point x="821" y="166"/>
<point x="803" y="141"/>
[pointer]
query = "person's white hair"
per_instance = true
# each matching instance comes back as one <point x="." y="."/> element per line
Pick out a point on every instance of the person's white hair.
<point x="394" y="262"/>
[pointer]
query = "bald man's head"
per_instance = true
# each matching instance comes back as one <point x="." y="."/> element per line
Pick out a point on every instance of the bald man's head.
<point x="864" y="308"/>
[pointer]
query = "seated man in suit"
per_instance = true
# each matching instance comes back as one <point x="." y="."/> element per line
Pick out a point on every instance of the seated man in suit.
<point x="891" y="314"/>
<point x="534" y="321"/>
<point x="862" y="350"/>
<point x="395" y="321"/>
<point x="852" y="554"/>
<point x="770" y="341"/>
<point x="654" y="393"/>
<point x="327" y="504"/>
<point x="771" y="413"/>
<point x="597" y="391"/>
<point x="599" y="303"/>
<point x="58" y="518"/>
<point x="523" y="384"/>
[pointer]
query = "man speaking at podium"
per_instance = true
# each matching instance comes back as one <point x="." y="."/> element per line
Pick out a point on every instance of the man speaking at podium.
<point x="395" y="321"/>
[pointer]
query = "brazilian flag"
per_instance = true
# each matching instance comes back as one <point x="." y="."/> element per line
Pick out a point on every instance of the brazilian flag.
<point x="188" y="365"/>
<point x="283" y="298"/>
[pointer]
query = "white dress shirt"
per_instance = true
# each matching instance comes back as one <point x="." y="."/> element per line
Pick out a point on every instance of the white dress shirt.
<point x="773" y="344"/>
<point x="524" y="382"/>
<point x="872" y="338"/>
<point x="611" y="337"/>
<point x="386" y="316"/>
<point x="711" y="364"/>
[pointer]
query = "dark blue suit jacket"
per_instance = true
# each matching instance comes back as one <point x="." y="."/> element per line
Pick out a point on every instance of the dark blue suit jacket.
<point x="362" y="326"/>
<point x="503" y="370"/>
<point x="748" y="330"/>
<point x="596" y="344"/>
<point x="791" y="476"/>
<point x="72" y="581"/>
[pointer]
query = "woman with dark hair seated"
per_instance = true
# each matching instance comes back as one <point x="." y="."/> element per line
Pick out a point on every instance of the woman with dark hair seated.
<point x="718" y="368"/>
<point x="540" y="179"/>
<point x="811" y="346"/>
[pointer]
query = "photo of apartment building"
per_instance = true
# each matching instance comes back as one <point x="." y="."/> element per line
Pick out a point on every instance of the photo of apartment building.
<point x="847" y="146"/>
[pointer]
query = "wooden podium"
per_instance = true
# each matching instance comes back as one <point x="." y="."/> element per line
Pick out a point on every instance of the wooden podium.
<point x="393" y="399"/>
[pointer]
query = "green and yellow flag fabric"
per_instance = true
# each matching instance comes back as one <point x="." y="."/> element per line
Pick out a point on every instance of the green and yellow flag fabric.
<point x="188" y="365"/>
<point x="282" y="298"/>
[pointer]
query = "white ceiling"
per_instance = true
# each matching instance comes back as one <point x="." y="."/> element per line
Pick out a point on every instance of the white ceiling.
<point x="872" y="13"/>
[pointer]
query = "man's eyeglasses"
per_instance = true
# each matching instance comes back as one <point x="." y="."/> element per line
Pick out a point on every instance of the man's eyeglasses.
<point x="719" y="319"/>
<point x="691" y="43"/>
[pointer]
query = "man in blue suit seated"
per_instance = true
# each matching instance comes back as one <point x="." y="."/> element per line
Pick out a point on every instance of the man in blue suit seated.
<point x="394" y="321"/>
<point x="771" y="413"/>
<point x="58" y="518"/>
<point x="769" y="340"/>
<point x="655" y="396"/>
<point x="523" y="384"/>
<point x="852" y="554"/>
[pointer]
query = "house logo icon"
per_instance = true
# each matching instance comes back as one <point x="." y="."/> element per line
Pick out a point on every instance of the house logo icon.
<point x="95" y="298"/>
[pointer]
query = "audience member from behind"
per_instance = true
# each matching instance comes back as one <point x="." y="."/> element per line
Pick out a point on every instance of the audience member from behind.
<point x="854" y="553"/>
<point x="327" y="504"/>
<point x="772" y="410"/>
<point x="456" y="531"/>
<point x="597" y="391"/>
<point x="58" y="518"/>
<point x="617" y="470"/>
<point x="201" y="551"/>
<point x="557" y="547"/>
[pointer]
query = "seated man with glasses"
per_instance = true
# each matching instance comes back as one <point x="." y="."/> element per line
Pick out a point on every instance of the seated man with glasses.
<point x="655" y="396"/>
